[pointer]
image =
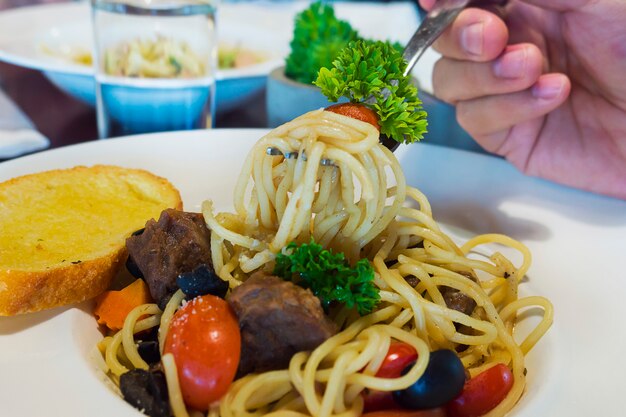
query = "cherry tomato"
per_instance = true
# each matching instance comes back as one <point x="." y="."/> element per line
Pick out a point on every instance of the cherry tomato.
<point x="356" y="111"/>
<point x="378" y="400"/>
<point x="399" y="355"/>
<point x="482" y="393"/>
<point x="205" y="341"/>
<point x="435" y="412"/>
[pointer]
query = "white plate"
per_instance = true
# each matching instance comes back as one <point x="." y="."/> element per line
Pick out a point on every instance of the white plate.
<point x="577" y="239"/>
<point x="263" y="26"/>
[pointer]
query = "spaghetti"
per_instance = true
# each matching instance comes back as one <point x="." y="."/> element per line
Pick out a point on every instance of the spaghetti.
<point x="360" y="206"/>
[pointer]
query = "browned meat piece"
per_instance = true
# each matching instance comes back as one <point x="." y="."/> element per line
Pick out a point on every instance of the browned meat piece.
<point x="412" y="280"/>
<point x="277" y="319"/>
<point x="454" y="299"/>
<point x="176" y="244"/>
<point x="457" y="300"/>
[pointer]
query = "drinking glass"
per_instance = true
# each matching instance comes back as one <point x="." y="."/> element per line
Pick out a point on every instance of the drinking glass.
<point x="155" y="63"/>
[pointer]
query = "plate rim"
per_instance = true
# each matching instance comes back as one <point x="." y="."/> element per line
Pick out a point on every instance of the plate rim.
<point x="561" y="334"/>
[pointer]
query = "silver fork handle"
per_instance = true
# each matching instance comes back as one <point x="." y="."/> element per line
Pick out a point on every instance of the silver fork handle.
<point x="436" y="21"/>
<point x="433" y="25"/>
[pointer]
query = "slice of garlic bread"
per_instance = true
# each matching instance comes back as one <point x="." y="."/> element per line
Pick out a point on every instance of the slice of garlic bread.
<point x="63" y="232"/>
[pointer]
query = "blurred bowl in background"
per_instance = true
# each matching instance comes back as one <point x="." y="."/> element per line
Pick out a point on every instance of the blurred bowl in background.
<point x="230" y="91"/>
<point x="49" y="38"/>
<point x="287" y="99"/>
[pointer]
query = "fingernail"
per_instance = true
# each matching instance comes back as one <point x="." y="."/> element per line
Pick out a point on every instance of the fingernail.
<point x="472" y="38"/>
<point x="511" y="65"/>
<point x="548" y="87"/>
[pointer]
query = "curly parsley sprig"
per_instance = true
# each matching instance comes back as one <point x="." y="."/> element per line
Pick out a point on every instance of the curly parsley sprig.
<point x="371" y="68"/>
<point x="318" y="37"/>
<point x="329" y="276"/>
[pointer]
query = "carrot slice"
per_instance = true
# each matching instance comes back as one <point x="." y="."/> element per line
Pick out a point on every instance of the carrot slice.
<point x="356" y="111"/>
<point x="112" y="307"/>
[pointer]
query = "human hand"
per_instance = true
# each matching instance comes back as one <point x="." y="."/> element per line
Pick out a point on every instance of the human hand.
<point x="545" y="87"/>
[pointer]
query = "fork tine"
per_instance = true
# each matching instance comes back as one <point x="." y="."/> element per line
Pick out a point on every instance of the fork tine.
<point x="277" y="152"/>
<point x="293" y="155"/>
<point x="273" y="151"/>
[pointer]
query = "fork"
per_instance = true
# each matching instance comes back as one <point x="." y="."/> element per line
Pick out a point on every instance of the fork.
<point x="435" y="22"/>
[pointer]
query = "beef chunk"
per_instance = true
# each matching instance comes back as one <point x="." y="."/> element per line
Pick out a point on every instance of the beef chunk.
<point x="457" y="300"/>
<point x="413" y="281"/>
<point x="277" y="319"/>
<point x="178" y="243"/>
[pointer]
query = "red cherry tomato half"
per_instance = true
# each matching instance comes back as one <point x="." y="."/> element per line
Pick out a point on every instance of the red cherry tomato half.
<point x="435" y="412"/>
<point x="205" y="341"/>
<point x="482" y="393"/>
<point x="378" y="400"/>
<point x="399" y="356"/>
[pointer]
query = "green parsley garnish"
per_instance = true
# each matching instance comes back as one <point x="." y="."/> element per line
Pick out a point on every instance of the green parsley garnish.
<point x="318" y="38"/>
<point x="369" y="68"/>
<point x="177" y="65"/>
<point x="329" y="276"/>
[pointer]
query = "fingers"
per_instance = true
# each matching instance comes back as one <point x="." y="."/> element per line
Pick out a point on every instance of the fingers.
<point x="476" y="35"/>
<point x="560" y="5"/>
<point x="488" y="119"/>
<point x="517" y="69"/>
<point x="427" y="4"/>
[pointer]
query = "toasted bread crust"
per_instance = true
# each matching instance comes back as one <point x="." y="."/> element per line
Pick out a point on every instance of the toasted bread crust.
<point x="30" y="291"/>
<point x="93" y="257"/>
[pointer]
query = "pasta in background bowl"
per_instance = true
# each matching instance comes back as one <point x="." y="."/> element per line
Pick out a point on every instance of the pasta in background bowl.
<point x="239" y="75"/>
